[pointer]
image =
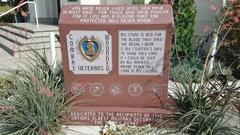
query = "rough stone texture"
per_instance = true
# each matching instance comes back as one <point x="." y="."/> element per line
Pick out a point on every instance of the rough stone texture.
<point x="97" y="107"/>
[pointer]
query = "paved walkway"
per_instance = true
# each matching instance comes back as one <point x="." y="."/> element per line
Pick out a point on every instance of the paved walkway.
<point x="7" y="61"/>
<point x="81" y="130"/>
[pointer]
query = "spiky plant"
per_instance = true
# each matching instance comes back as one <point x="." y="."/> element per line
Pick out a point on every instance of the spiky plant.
<point x="37" y="103"/>
<point x="205" y="108"/>
<point x="5" y="86"/>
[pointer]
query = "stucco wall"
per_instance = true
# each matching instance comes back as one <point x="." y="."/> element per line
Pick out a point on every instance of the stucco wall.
<point x="206" y="15"/>
<point x="113" y="2"/>
<point x="47" y="11"/>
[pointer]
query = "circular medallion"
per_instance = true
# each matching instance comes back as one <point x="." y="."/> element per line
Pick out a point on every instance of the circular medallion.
<point x="77" y="88"/>
<point x="135" y="89"/>
<point x="115" y="89"/>
<point x="96" y="89"/>
<point x="155" y="88"/>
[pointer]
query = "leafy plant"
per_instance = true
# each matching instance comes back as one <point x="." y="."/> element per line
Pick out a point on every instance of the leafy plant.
<point x="38" y="104"/>
<point x="193" y="66"/>
<point x="155" y="2"/>
<point x="5" y="87"/>
<point x="228" y="52"/>
<point x="206" y="106"/>
<point x="138" y="1"/>
<point x="203" y="106"/>
<point x="184" y="17"/>
<point x="185" y="13"/>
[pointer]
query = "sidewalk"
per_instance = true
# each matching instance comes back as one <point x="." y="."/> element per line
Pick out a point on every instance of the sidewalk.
<point x="81" y="130"/>
<point x="8" y="61"/>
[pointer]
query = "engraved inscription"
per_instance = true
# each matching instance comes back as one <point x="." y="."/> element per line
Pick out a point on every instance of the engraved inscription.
<point x="130" y="118"/>
<point x="141" y="52"/>
<point x="116" y="14"/>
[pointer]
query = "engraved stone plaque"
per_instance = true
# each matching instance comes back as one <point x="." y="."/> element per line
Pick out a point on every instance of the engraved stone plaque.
<point x="141" y="52"/>
<point x="116" y="57"/>
<point x="89" y="52"/>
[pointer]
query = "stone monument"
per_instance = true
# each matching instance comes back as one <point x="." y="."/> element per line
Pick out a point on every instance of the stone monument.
<point x="116" y="57"/>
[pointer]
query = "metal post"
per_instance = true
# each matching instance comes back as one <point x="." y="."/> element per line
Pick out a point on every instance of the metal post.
<point x="36" y="14"/>
<point x="53" y="48"/>
<point x="212" y="53"/>
<point x="213" y="48"/>
<point x="224" y="3"/>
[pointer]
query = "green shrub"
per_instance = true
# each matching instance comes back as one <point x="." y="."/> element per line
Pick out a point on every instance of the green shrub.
<point x="228" y="49"/>
<point x="193" y="66"/>
<point x="6" y="87"/>
<point x="9" y="18"/>
<point x="228" y="52"/>
<point x="155" y="2"/>
<point x="138" y="1"/>
<point x="204" y="98"/>
<point x="204" y="107"/>
<point x="185" y="14"/>
<point x="184" y="18"/>
<point x="38" y="105"/>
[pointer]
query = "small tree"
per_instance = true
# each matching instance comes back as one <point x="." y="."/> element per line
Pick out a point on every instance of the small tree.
<point x="184" y="18"/>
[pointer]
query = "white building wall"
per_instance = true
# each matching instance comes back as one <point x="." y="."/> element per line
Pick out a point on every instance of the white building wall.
<point x="90" y="2"/>
<point x="47" y="11"/>
<point x="114" y="2"/>
<point x="206" y="15"/>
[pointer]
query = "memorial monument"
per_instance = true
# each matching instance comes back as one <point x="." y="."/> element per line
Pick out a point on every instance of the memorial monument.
<point x="116" y="57"/>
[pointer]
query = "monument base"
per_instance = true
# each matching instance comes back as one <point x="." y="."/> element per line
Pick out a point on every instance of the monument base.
<point x="120" y="115"/>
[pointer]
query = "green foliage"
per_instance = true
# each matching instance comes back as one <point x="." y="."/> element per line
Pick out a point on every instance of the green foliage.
<point x="9" y="18"/>
<point x="5" y="87"/>
<point x="138" y="1"/>
<point x="185" y="13"/>
<point x="204" y="106"/>
<point x="38" y="105"/>
<point x="228" y="52"/>
<point x="184" y="19"/>
<point x="155" y="2"/>
<point x="4" y="7"/>
<point x="193" y="65"/>
<point x="6" y="18"/>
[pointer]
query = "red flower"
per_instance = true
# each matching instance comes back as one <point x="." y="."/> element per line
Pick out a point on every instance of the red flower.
<point x="226" y="26"/>
<point x="214" y="7"/>
<point x="206" y="28"/>
<point x="44" y="132"/>
<point x="35" y="79"/>
<point x="46" y="92"/>
<point x="238" y="11"/>
<point x="236" y="20"/>
<point x="229" y="13"/>
<point x="233" y="1"/>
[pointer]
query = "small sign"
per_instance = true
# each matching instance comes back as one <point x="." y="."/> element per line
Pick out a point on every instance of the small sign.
<point x="141" y="52"/>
